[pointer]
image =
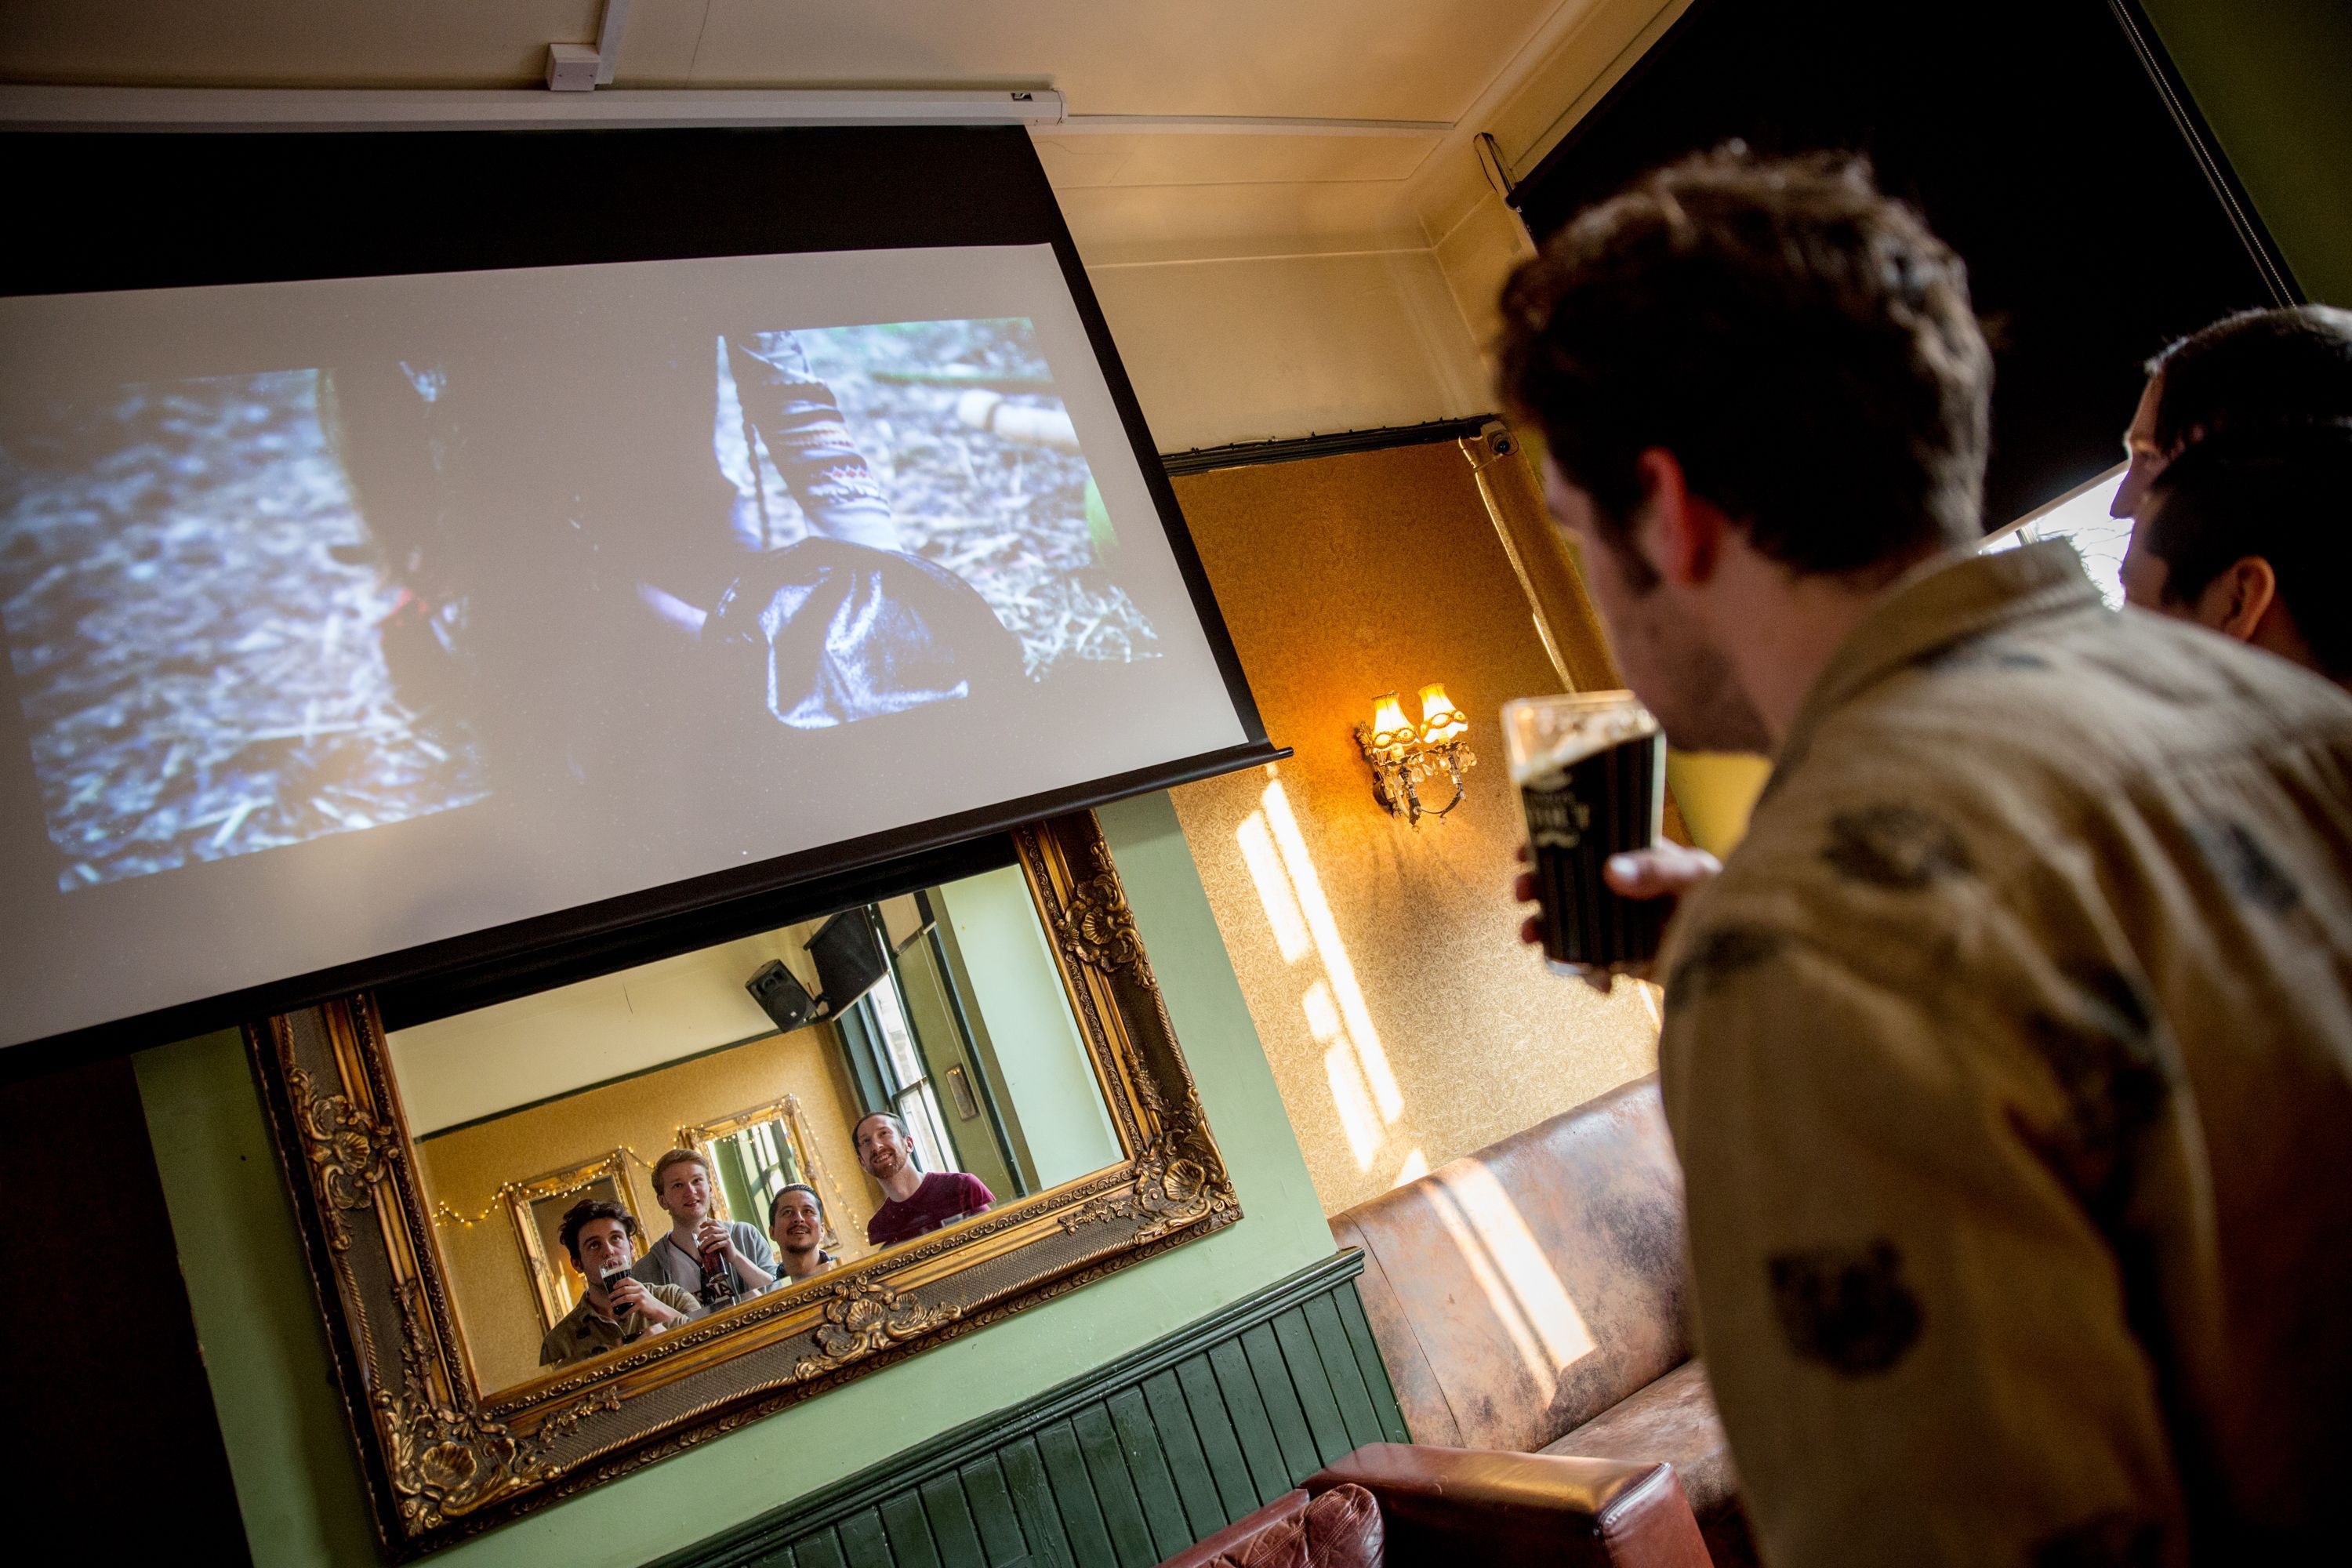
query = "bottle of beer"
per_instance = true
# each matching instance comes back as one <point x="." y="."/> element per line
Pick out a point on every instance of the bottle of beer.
<point x="717" y="1284"/>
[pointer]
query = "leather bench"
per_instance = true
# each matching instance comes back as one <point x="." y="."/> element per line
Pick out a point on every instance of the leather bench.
<point x="1393" y="1505"/>
<point x="1531" y="1296"/>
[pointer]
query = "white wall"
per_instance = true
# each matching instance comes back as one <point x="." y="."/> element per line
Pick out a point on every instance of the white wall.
<point x="456" y="1069"/>
<point x="1260" y="348"/>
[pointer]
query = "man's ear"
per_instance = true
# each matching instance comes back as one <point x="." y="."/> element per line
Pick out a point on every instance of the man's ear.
<point x="1680" y="535"/>
<point x="2235" y="602"/>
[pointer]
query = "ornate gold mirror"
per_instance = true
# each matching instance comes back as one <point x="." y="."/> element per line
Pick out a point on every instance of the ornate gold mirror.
<point x="557" y="1236"/>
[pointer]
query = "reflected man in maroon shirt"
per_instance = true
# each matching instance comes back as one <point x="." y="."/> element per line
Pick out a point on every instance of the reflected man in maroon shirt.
<point x="916" y="1203"/>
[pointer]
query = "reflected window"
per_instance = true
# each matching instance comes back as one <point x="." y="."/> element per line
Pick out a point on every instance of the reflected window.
<point x="908" y="1075"/>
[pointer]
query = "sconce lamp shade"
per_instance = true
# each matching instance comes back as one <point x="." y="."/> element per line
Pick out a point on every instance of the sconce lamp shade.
<point x="1440" y="721"/>
<point x="1404" y="759"/>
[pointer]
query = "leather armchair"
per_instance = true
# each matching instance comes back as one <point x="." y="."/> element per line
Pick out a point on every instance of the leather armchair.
<point x="1440" y="1508"/>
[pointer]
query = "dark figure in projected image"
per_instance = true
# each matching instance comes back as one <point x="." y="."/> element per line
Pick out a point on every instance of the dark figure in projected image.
<point x="718" y="1262"/>
<point x="575" y="554"/>
<point x="916" y="1203"/>
<point x="625" y="578"/>
<point x="614" y="1309"/>
<point x="796" y="1221"/>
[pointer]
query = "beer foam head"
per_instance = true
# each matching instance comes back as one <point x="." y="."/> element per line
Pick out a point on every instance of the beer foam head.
<point x="1546" y="735"/>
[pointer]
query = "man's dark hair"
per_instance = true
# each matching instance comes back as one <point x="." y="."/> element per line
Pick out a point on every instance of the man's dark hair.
<point x="2258" y="367"/>
<point x="1801" y="343"/>
<point x="2281" y="492"/>
<point x="587" y="1211"/>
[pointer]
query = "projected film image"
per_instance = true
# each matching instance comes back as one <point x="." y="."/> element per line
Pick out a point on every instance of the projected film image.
<point x="250" y="611"/>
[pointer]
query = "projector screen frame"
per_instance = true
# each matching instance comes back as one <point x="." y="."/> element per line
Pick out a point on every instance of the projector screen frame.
<point x="591" y="197"/>
<point x="443" y="1458"/>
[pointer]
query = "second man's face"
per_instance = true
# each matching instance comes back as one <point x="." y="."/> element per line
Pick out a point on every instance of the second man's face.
<point x="798" y="1226"/>
<point x="686" y="1191"/>
<point x="2147" y="461"/>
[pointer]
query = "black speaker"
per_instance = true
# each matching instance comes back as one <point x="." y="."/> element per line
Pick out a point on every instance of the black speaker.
<point x="849" y="958"/>
<point x="780" y="997"/>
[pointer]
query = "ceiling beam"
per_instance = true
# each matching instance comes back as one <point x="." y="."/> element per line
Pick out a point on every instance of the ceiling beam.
<point x="361" y="108"/>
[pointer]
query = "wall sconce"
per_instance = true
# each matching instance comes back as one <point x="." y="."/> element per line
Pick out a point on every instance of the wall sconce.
<point x="1404" y="757"/>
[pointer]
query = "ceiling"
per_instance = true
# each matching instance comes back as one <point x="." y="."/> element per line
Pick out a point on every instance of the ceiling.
<point x="1373" y="104"/>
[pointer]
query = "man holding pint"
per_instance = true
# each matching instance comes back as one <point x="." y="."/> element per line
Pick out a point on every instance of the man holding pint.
<point x="2010" y="1058"/>
<point x="616" y="1309"/>
<point x="718" y="1262"/>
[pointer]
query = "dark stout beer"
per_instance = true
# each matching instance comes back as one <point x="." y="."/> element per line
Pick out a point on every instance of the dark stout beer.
<point x="1592" y="774"/>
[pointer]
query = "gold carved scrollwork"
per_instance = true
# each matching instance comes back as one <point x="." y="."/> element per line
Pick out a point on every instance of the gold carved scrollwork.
<point x="1096" y="926"/>
<point x="349" y="1149"/>
<point x="448" y="1461"/>
<point x="1173" y="1186"/>
<point x="448" y="1458"/>
<point x="864" y="1316"/>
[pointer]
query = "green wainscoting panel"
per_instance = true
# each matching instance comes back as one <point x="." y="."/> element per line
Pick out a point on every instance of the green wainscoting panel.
<point x="1119" y="1468"/>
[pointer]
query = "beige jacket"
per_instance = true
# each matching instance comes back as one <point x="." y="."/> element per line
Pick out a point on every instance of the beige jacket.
<point x="2009" y="1062"/>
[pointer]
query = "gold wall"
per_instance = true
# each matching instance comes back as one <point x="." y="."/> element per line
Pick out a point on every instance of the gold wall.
<point x="497" y="1305"/>
<point x="1405" y="1022"/>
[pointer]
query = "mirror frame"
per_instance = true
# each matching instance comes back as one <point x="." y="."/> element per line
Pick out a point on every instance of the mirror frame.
<point x="702" y="1137"/>
<point x="445" y="1459"/>
<point x="522" y="1203"/>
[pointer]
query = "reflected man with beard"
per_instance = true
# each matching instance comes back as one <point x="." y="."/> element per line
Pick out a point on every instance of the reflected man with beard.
<point x="916" y="1203"/>
<point x="796" y="1220"/>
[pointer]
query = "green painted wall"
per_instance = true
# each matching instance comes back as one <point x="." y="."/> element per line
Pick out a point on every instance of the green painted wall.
<point x="297" y="1481"/>
<point x="2273" y="80"/>
<point x="1038" y="1053"/>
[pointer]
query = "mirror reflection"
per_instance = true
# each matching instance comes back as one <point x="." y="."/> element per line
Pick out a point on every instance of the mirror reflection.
<point x="610" y="1160"/>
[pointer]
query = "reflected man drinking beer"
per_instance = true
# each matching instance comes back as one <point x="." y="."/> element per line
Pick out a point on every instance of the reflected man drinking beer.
<point x="614" y="1310"/>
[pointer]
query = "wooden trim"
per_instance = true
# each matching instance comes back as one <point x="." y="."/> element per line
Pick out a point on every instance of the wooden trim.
<point x="1128" y="1463"/>
<point x="1339" y="444"/>
<point x="2180" y="107"/>
<point x="1541" y="557"/>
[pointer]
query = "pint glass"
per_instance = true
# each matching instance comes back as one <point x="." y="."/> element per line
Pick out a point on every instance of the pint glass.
<point x="1592" y="774"/>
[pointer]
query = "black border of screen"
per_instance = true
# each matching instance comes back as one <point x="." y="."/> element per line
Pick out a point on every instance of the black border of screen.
<point x="101" y="211"/>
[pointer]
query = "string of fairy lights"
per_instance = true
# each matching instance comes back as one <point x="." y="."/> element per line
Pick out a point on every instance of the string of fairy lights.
<point x="505" y="1192"/>
<point x="603" y="1169"/>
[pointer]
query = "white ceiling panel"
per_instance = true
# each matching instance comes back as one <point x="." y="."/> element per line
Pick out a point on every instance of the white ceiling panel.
<point x="1508" y="65"/>
<point x="1077" y="162"/>
<point x="1365" y="60"/>
<point x="330" y="43"/>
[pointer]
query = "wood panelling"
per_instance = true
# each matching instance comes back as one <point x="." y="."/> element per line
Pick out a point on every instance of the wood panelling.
<point x="1122" y="1468"/>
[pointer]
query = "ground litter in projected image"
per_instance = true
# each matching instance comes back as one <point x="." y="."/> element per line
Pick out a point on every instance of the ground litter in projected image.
<point x="195" y="605"/>
<point x="199" y="672"/>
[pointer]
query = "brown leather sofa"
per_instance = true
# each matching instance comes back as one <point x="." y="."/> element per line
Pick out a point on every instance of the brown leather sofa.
<point x="1391" y="1505"/>
<point x="1531" y="1296"/>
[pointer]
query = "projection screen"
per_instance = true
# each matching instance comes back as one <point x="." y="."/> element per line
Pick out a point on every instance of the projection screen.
<point x="359" y="616"/>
